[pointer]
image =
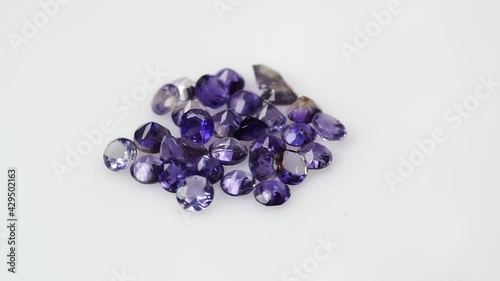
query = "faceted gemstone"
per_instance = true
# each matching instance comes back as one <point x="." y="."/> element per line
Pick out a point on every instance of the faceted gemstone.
<point x="182" y="108"/>
<point x="279" y="94"/>
<point x="165" y="99"/>
<point x="250" y="129"/>
<point x="173" y="175"/>
<point x="261" y="164"/>
<point x="290" y="167"/>
<point x="245" y="103"/>
<point x="317" y="156"/>
<point x="271" y="115"/>
<point x="193" y="150"/>
<point x="233" y="81"/>
<point x="272" y="193"/>
<point x="273" y="143"/>
<point x="328" y="127"/>
<point x="185" y="88"/>
<point x="229" y="151"/>
<point x="303" y="110"/>
<point x="146" y="169"/>
<point x="207" y="167"/>
<point x="197" y="125"/>
<point x="238" y="183"/>
<point x="119" y="154"/>
<point x="149" y="136"/>
<point x="266" y="76"/>
<point x="171" y="149"/>
<point x="211" y="91"/>
<point x="196" y="194"/>
<point x="298" y="134"/>
<point x="226" y="123"/>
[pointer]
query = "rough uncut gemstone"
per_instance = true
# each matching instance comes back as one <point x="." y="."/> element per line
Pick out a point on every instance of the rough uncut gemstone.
<point x="233" y="81"/>
<point x="149" y="136"/>
<point x="193" y="150"/>
<point x="186" y="88"/>
<point x="207" y="167"/>
<point x="265" y="76"/>
<point x="146" y="169"/>
<point x="317" y="156"/>
<point x="250" y="129"/>
<point x="226" y="123"/>
<point x="271" y="115"/>
<point x="261" y="164"/>
<point x="279" y="94"/>
<point x="211" y="91"/>
<point x="229" y="151"/>
<point x="298" y="134"/>
<point x="165" y="99"/>
<point x="182" y="108"/>
<point x="197" y="125"/>
<point x="291" y="167"/>
<point x="119" y="154"/>
<point x="238" y="183"/>
<point x="271" y="142"/>
<point x="196" y="194"/>
<point x="245" y="103"/>
<point x="173" y="175"/>
<point x="303" y="110"/>
<point x="172" y="150"/>
<point x="328" y="127"/>
<point x="272" y="193"/>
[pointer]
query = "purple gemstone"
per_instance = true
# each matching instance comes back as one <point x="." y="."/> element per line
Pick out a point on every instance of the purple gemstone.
<point x="317" y="155"/>
<point x="119" y="154"/>
<point x="250" y="129"/>
<point x="271" y="142"/>
<point x="290" y="167"/>
<point x="328" y="127"/>
<point x="146" y="169"/>
<point x="238" y="183"/>
<point x="233" y="81"/>
<point x="272" y="193"/>
<point x="196" y="194"/>
<point x="173" y="175"/>
<point x="193" y="150"/>
<point x="165" y="99"/>
<point x="207" y="167"/>
<point x="298" y="134"/>
<point x="226" y="123"/>
<point x="303" y="110"/>
<point x="211" y="91"/>
<point x="182" y="108"/>
<point x="279" y="94"/>
<point x="149" y="136"/>
<point x="261" y="164"/>
<point x="197" y="125"/>
<point x="229" y="151"/>
<point x="172" y="150"/>
<point x="266" y="76"/>
<point x="271" y="115"/>
<point x="245" y="103"/>
<point x="186" y="88"/>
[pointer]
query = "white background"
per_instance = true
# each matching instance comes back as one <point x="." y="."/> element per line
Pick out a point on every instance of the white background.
<point x="442" y="223"/>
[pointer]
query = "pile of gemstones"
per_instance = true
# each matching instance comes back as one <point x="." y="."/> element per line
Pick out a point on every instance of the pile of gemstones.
<point x="280" y="150"/>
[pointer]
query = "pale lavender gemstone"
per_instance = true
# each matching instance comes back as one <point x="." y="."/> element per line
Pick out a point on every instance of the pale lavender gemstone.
<point x="298" y="134"/>
<point x="226" y="123"/>
<point x="196" y="194"/>
<point x="303" y="110"/>
<point x="291" y="167"/>
<point x="328" y="127"/>
<point x="238" y="183"/>
<point x="185" y="86"/>
<point x="272" y="193"/>
<point x="119" y="154"/>
<point x="245" y="103"/>
<point x="233" y="81"/>
<point x="272" y="116"/>
<point x="182" y="108"/>
<point x="229" y="151"/>
<point x="317" y="156"/>
<point x="165" y="99"/>
<point x="146" y="169"/>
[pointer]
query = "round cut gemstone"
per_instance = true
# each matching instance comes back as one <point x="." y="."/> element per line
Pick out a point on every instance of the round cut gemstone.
<point x="172" y="175"/>
<point x="233" y="81"/>
<point x="298" y="134"/>
<point x="149" y="136"/>
<point x="185" y="88"/>
<point x="245" y="103"/>
<point x="261" y="164"/>
<point x="197" y="125"/>
<point x="317" y="156"/>
<point x="271" y="115"/>
<point x="250" y="129"/>
<point x="182" y="108"/>
<point x="238" y="183"/>
<point x="229" y="151"/>
<point x="290" y="167"/>
<point x="272" y="193"/>
<point x="279" y="94"/>
<point x="211" y="91"/>
<point x="196" y="194"/>
<point x="193" y="150"/>
<point x="328" y="127"/>
<point x="271" y="142"/>
<point x="226" y="123"/>
<point x="172" y="150"/>
<point x="208" y="168"/>
<point x="119" y="154"/>
<point x="303" y="110"/>
<point x="165" y="99"/>
<point x="146" y="169"/>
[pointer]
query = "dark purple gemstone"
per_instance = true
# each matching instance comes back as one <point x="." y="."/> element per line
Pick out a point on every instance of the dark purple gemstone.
<point x="271" y="115"/>
<point x="279" y="94"/>
<point x="250" y="129"/>
<point x="186" y="88"/>
<point x="193" y="150"/>
<point x="146" y="169"/>
<point x="229" y="151"/>
<point x="173" y="175"/>
<point x="303" y="110"/>
<point x="197" y="125"/>
<point x="211" y="91"/>
<point x="271" y="142"/>
<point x="328" y="127"/>
<point x="291" y="167"/>
<point x="245" y="103"/>
<point x="196" y="194"/>
<point x="182" y="108"/>
<point x="149" y="136"/>
<point x="233" y="81"/>
<point x="238" y="183"/>
<point x="172" y="150"/>
<point x="317" y="156"/>
<point x="165" y="99"/>
<point x="298" y="134"/>
<point x="265" y="76"/>
<point x="226" y="123"/>
<point x="207" y="167"/>
<point x="261" y="164"/>
<point x="272" y="193"/>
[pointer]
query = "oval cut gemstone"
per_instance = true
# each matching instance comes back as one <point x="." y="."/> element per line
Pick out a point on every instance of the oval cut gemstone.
<point x="290" y="167"/>
<point x="317" y="156"/>
<point x="211" y="91"/>
<point x="196" y="194"/>
<point x="272" y="193"/>
<point x="303" y="110"/>
<point x="233" y="81"/>
<point x="238" y="183"/>
<point x="298" y="134"/>
<point x="226" y="123"/>
<point x="193" y="150"/>
<point x="197" y="126"/>
<point x="146" y="169"/>
<point x="182" y="108"/>
<point x="172" y="150"/>
<point x="271" y="142"/>
<point x="328" y="127"/>
<point x="261" y="164"/>
<point x="208" y="168"/>
<point x="245" y="103"/>
<point x="185" y="88"/>
<point x="229" y="151"/>
<point x="165" y="99"/>
<point x="250" y="129"/>
<point x="119" y="154"/>
<point x="149" y="136"/>
<point x="271" y="115"/>
<point x="173" y="175"/>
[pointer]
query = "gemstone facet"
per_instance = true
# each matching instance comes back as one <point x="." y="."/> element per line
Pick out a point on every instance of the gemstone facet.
<point x="185" y="88"/>
<point x="149" y="136"/>
<point x="272" y="193"/>
<point x="271" y="115"/>
<point x="208" y="168"/>
<point x="317" y="156"/>
<point x="328" y="127"/>
<point x="226" y="123"/>
<point x="119" y="154"/>
<point x="290" y="167"/>
<point x="265" y="76"/>
<point x="146" y="169"/>
<point x="233" y="81"/>
<point x="279" y="94"/>
<point x="238" y="183"/>
<point x="196" y="194"/>
<point x="261" y="164"/>
<point x="165" y="99"/>
<point x="197" y="125"/>
<point x="193" y="150"/>
<point x="245" y="103"/>
<point x="182" y="108"/>
<point x="211" y="91"/>
<point x="303" y="110"/>
<point x="172" y="150"/>
<point x="173" y="175"/>
<point x="270" y="142"/>
<point x="250" y="129"/>
<point x="298" y="134"/>
<point x="229" y="151"/>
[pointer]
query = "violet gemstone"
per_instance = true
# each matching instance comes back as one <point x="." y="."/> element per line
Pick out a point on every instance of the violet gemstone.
<point x="229" y="151"/>
<point x="146" y="169"/>
<point x="196" y="194"/>
<point x="197" y="125"/>
<point x="317" y="156"/>
<point x="185" y="88"/>
<point x="173" y="175"/>
<point x="250" y="129"/>
<point x="261" y="164"/>
<point x="265" y="76"/>
<point x="272" y="193"/>
<point x="290" y="167"/>
<point x="165" y="99"/>
<point x="238" y="183"/>
<point x="279" y="94"/>
<point x="211" y="91"/>
<point x="208" y="168"/>
<point x="303" y="110"/>
<point x="119" y="154"/>
<point x="245" y="103"/>
<point x="233" y="81"/>
<point x="172" y="150"/>
<point x="271" y="142"/>
<point x="298" y="134"/>
<point x="149" y="136"/>
<point x="328" y="127"/>
<point x="182" y="108"/>
<point x="271" y="115"/>
<point x="226" y="123"/>
<point x="193" y="150"/>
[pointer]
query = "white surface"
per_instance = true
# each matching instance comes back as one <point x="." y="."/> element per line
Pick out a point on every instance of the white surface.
<point x="442" y="223"/>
